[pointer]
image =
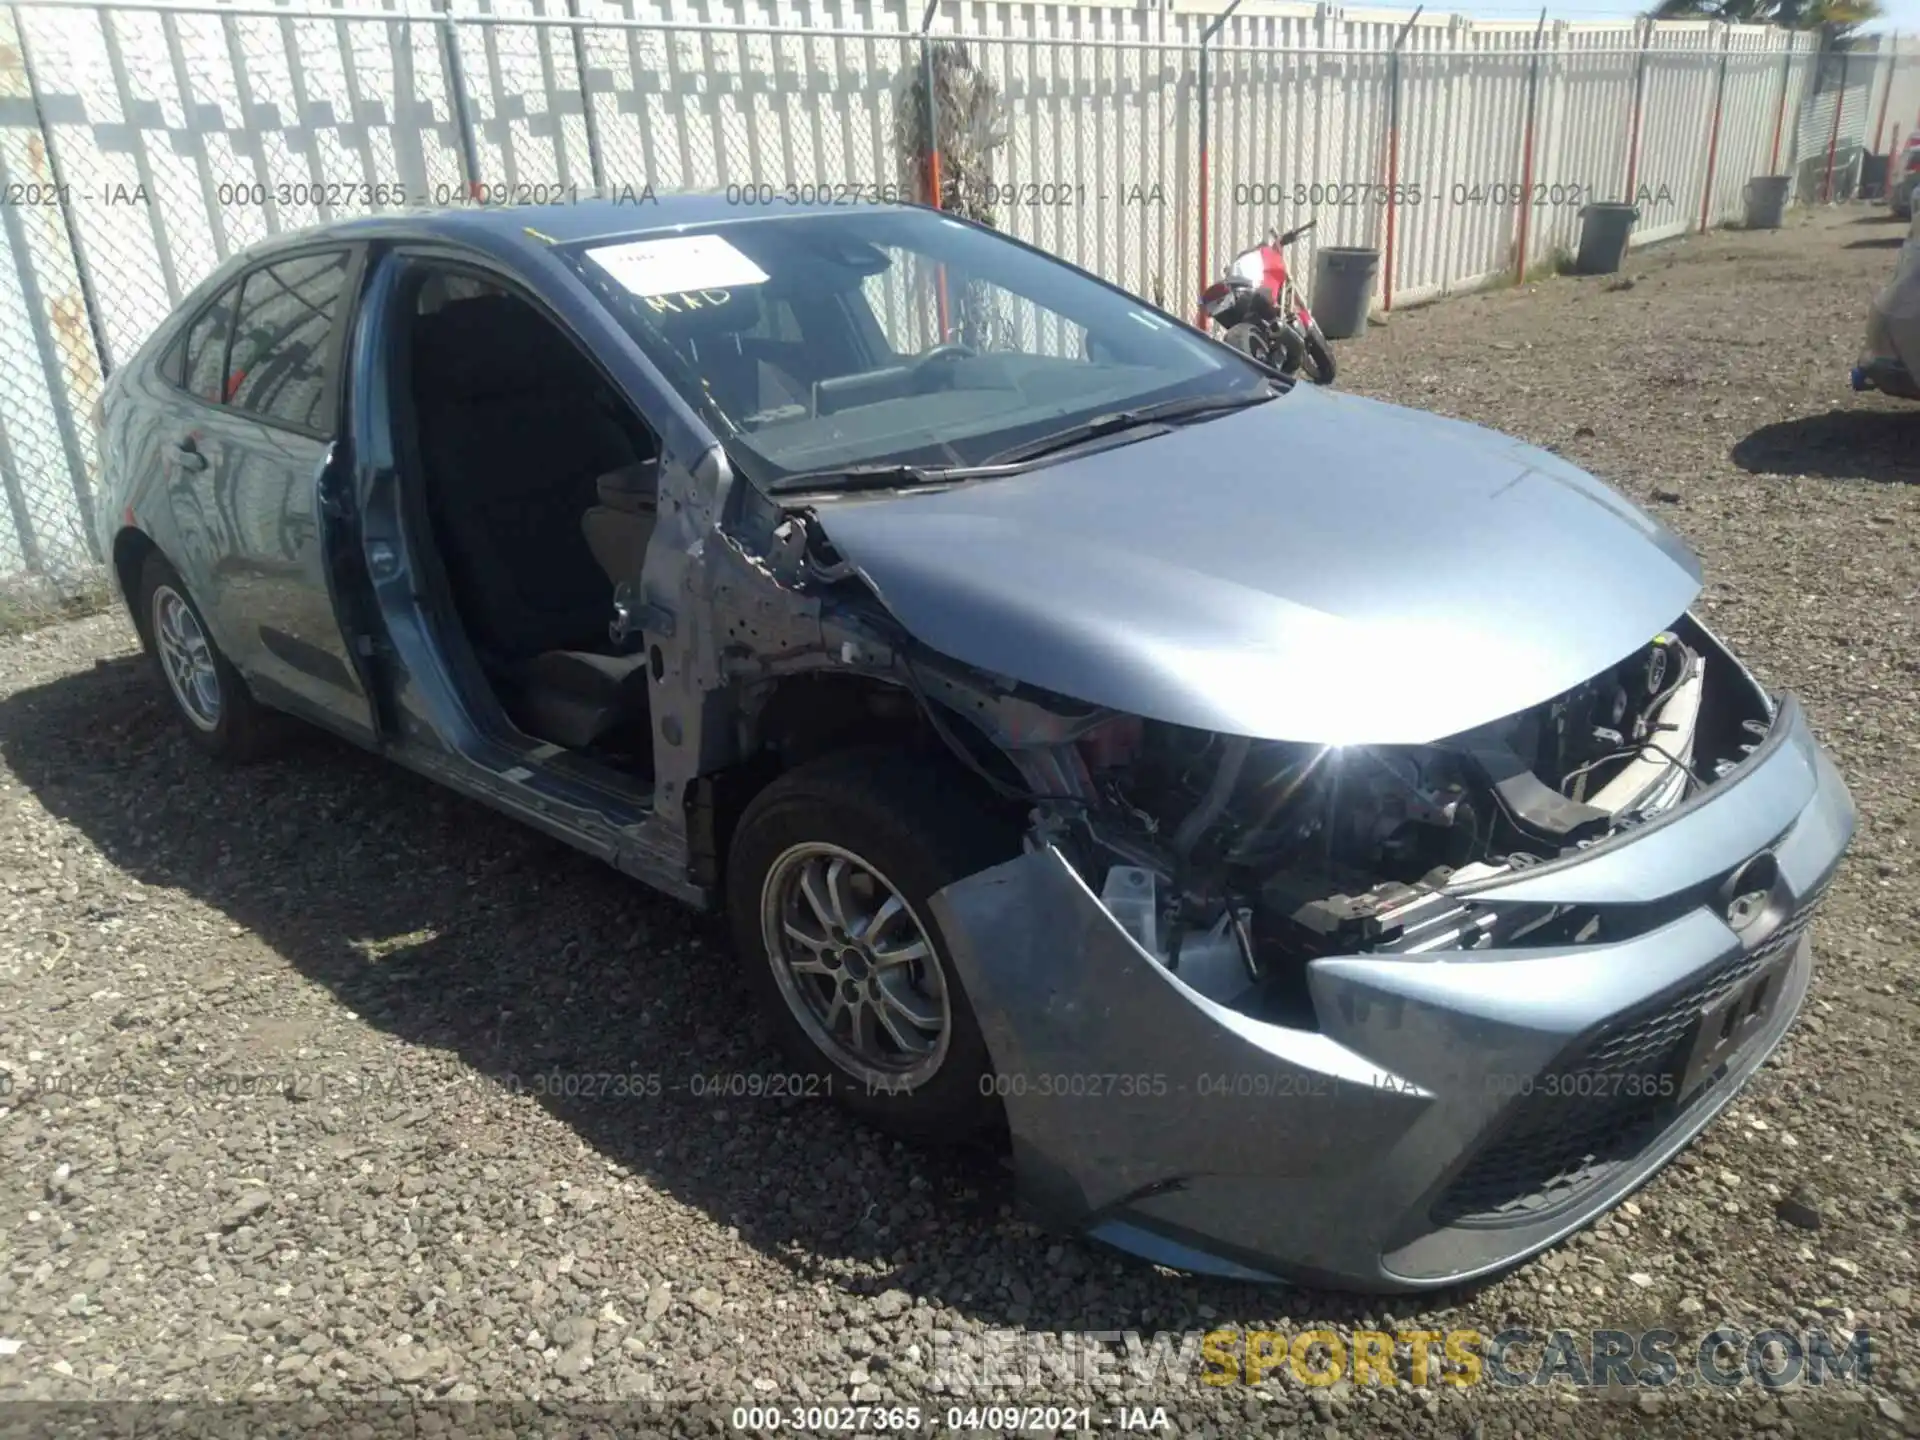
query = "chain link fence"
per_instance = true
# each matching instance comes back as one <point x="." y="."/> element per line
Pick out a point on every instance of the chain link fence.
<point x="143" y="142"/>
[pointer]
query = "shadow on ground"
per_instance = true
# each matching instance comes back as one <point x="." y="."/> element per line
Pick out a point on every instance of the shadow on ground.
<point x="1876" y="445"/>
<point x="450" y="927"/>
<point x="1879" y="242"/>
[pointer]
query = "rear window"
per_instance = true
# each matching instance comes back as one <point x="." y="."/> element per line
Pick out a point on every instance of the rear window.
<point x="279" y="369"/>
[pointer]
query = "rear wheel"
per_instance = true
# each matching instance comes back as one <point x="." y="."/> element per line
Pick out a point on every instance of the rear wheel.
<point x="213" y="703"/>
<point x="828" y="880"/>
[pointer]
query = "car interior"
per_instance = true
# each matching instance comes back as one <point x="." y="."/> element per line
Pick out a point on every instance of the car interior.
<point x="540" y="488"/>
<point x="539" y="484"/>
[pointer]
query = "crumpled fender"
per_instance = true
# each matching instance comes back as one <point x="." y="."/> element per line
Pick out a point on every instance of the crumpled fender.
<point x="1119" y="1081"/>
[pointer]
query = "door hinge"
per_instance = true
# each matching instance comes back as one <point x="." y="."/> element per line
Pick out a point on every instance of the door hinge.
<point x="630" y="618"/>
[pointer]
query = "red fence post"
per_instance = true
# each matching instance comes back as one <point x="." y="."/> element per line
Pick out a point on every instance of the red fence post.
<point x="1393" y="152"/>
<point x="1206" y="39"/>
<point x="1780" y="113"/>
<point x="1880" y="125"/>
<point x="1639" y="98"/>
<point x="942" y="316"/>
<point x="1526" y="164"/>
<point x="1833" y="137"/>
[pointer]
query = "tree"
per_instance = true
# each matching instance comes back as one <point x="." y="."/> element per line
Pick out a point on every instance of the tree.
<point x="1837" y="17"/>
<point x="973" y="125"/>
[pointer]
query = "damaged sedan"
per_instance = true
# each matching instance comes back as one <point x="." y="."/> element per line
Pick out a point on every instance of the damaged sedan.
<point x="1319" y="836"/>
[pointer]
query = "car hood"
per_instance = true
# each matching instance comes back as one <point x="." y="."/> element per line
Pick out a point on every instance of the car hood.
<point x="1320" y="568"/>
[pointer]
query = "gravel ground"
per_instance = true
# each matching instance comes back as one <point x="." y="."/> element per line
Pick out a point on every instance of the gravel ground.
<point x="386" y="1218"/>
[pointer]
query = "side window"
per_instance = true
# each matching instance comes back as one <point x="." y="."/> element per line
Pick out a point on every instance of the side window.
<point x="173" y="364"/>
<point x="280" y="344"/>
<point x="205" y="348"/>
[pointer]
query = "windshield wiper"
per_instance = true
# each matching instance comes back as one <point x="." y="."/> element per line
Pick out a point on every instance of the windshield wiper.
<point x="1116" y="421"/>
<point x="896" y="475"/>
<point x="879" y="475"/>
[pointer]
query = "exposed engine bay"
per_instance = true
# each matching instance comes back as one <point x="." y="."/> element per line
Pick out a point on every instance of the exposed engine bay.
<point x="1234" y="861"/>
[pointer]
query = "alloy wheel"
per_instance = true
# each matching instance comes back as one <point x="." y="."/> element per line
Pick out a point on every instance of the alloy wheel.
<point x="186" y="658"/>
<point x="855" y="965"/>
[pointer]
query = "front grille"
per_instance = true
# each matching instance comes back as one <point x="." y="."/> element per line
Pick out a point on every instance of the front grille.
<point x="1553" y="1148"/>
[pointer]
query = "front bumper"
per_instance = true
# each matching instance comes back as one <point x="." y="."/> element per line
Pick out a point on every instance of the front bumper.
<point x="1454" y="1112"/>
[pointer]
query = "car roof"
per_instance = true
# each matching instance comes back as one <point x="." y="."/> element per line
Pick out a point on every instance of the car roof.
<point x="631" y="212"/>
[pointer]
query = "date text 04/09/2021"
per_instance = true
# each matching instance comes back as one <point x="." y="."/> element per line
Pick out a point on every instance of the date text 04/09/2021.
<point x="959" y="1419"/>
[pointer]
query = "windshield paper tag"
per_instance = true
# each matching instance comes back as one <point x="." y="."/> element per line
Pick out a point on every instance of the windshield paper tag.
<point x="677" y="265"/>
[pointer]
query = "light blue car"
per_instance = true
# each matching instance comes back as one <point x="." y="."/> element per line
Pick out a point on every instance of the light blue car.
<point x="1314" y="834"/>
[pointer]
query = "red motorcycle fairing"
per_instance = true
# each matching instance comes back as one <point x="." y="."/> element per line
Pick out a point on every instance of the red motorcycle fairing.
<point x="1266" y="267"/>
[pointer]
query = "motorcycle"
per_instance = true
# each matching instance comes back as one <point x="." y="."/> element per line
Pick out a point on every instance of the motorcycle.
<point x="1262" y="311"/>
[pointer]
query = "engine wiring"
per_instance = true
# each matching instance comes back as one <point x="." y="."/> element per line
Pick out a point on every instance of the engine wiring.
<point x="1684" y="671"/>
<point x="1628" y="752"/>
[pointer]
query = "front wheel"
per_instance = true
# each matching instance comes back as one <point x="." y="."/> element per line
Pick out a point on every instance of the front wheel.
<point x="828" y="880"/>
<point x="1318" y="366"/>
<point x="1244" y="338"/>
<point x="1274" y="345"/>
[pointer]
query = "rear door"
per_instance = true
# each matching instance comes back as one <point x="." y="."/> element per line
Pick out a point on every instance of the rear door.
<point x="277" y="447"/>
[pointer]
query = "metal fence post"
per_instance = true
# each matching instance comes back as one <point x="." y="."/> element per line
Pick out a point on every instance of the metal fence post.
<point x="1393" y="153"/>
<point x="457" y="97"/>
<point x="942" y="312"/>
<point x="1833" y="136"/>
<point x="45" y="319"/>
<point x="595" y="166"/>
<point x="1780" y="111"/>
<point x="55" y="173"/>
<point x="1639" y="101"/>
<point x="1206" y="178"/>
<point x="1525" y="206"/>
<point x="1713" y="129"/>
<point x="1893" y="68"/>
<point x="1832" y="139"/>
<point x="933" y="111"/>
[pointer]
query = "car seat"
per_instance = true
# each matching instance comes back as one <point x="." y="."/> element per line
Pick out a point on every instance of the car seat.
<point x="515" y="428"/>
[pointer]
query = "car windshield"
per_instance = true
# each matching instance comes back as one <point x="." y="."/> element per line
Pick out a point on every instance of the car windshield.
<point x="814" y="343"/>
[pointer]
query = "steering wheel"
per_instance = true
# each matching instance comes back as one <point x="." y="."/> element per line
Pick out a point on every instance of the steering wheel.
<point x="945" y="353"/>
<point x="946" y="350"/>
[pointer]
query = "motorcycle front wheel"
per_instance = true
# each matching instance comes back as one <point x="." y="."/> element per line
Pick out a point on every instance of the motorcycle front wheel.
<point x="1245" y="339"/>
<point x="1318" y="360"/>
<point x="1278" y="347"/>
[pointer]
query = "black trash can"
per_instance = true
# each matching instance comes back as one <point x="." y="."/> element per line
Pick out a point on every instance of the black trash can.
<point x="1604" y="231"/>
<point x="1767" y="201"/>
<point x="1343" y="277"/>
<point x="1873" y="177"/>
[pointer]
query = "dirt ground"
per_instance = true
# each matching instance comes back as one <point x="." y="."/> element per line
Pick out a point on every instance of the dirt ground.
<point x="310" y="1154"/>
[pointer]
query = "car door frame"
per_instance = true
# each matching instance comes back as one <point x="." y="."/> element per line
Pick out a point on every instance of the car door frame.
<point x="447" y="721"/>
<point x="356" y="716"/>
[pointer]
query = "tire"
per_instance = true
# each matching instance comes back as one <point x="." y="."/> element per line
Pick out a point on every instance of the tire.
<point x="1279" y="348"/>
<point x="1319" y="366"/>
<point x="210" y="699"/>
<point x="1245" y="339"/>
<point x="902" y="827"/>
<point x="1287" y="353"/>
